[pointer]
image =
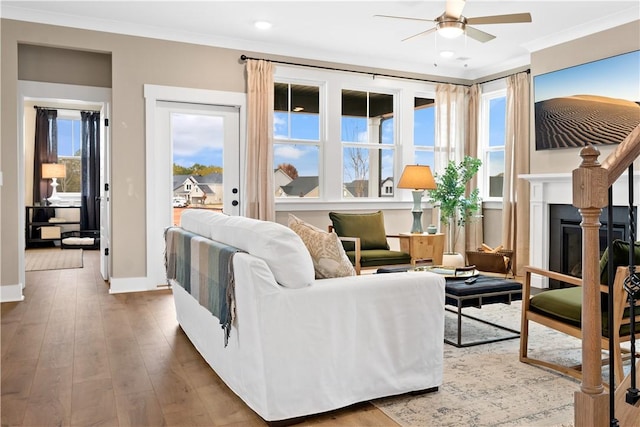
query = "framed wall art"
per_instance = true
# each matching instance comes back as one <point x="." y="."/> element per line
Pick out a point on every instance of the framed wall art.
<point x="596" y="103"/>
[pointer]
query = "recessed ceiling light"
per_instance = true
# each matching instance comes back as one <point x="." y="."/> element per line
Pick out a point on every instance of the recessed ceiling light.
<point x="296" y="109"/>
<point x="446" y="53"/>
<point x="262" y="25"/>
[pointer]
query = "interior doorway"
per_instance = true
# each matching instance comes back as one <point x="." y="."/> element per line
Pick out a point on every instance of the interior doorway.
<point x="60" y="96"/>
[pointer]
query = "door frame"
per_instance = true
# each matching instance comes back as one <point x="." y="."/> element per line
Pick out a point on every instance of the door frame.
<point x="158" y="175"/>
<point x="61" y="94"/>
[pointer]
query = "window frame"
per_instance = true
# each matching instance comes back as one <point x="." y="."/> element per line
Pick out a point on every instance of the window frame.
<point x="322" y="134"/>
<point x="371" y="145"/>
<point x="73" y="115"/>
<point x="330" y="161"/>
<point x="490" y="91"/>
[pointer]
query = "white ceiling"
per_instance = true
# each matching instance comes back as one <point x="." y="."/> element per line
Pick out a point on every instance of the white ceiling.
<point x="343" y="31"/>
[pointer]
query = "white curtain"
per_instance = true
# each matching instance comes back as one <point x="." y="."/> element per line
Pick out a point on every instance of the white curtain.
<point x="259" y="175"/>
<point x="515" y="197"/>
<point x="452" y="124"/>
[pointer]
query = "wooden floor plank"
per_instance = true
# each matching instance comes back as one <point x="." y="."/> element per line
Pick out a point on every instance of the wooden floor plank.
<point x="73" y="354"/>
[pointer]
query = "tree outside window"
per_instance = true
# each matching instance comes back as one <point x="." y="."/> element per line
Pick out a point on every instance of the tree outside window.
<point x="297" y="140"/>
<point x="368" y="138"/>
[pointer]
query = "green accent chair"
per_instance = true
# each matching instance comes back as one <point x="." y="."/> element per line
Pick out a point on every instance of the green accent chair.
<point x="561" y="309"/>
<point x="365" y="241"/>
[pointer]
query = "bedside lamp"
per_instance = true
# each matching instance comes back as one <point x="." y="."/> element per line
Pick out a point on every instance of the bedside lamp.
<point x="418" y="178"/>
<point x="53" y="171"/>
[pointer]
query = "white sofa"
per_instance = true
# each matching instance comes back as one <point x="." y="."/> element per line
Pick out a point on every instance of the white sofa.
<point x="302" y="346"/>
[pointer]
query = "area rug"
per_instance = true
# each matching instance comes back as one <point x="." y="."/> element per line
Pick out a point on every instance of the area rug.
<point x="487" y="385"/>
<point x="52" y="259"/>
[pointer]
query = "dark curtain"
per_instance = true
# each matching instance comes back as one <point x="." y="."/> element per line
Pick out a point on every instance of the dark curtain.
<point x="45" y="150"/>
<point x="90" y="194"/>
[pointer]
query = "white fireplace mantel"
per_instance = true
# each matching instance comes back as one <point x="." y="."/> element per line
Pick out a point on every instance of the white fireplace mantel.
<point x="549" y="189"/>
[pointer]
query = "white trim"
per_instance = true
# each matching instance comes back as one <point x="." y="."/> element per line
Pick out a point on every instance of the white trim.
<point x="157" y="180"/>
<point x="11" y="293"/>
<point x="123" y="285"/>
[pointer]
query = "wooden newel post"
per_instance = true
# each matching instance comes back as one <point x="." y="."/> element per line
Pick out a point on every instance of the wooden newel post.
<point x="590" y="195"/>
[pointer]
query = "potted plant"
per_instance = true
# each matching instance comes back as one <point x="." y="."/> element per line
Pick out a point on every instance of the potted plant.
<point x="450" y="196"/>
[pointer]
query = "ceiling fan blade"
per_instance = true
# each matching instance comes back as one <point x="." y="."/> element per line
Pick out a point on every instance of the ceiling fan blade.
<point x="423" y="33"/>
<point x="478" y="35"/>
<point x="500" y="19"/>
<point x="453" y="8"/>
<point x="404" y="17"/>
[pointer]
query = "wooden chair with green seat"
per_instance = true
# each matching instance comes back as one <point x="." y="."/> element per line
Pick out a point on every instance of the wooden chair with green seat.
<point x="365" y="240"/>
<point x="561" y="309"/>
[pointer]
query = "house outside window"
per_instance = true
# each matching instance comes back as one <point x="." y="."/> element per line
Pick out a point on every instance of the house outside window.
<point x="297" y="139"/>
<point x="368" y="140"/>
<point x="70" y="150"/>
<point x="492" y="137"/>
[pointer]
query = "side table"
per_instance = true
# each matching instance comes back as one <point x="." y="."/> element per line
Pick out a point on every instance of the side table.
<point x="423" y="246"/>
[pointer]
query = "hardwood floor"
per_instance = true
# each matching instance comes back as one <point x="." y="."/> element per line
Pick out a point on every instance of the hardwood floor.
<point x="74" y="355"/>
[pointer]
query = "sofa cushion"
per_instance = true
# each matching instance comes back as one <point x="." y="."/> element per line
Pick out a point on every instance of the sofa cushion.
<point x="279" y="246"/>
<point x="562" y="304"/>
<point x="378" y="257"/>
<point x="566" y="305"/>
<point x="369" y="227"/>
<point x="327" y="253"/>
<point x="620" y="256"/>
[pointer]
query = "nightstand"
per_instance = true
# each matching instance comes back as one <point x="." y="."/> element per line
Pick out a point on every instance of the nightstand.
<point x="423" y="246"/>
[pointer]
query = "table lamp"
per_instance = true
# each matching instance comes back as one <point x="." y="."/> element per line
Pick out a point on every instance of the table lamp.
<point x="53" y="171"/>
<point x="418" y="178"/>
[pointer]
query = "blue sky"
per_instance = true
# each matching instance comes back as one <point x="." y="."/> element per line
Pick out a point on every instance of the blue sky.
<point x="615" y="77"/>
<point x="197" y="139"/>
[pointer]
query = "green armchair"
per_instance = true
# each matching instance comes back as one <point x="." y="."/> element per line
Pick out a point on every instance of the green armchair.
<point x="561" y="309"/>
<point x="365" y="241"/>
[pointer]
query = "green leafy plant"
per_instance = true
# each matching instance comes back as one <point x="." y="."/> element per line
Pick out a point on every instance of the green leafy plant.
<point x="455" y="206"/>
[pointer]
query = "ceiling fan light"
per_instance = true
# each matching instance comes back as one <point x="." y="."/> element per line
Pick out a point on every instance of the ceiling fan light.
<point x="450" y="29"/>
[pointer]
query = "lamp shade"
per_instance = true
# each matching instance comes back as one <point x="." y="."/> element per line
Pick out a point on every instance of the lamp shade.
<point x="417" y="177"/>
<point x="53" y="170"/>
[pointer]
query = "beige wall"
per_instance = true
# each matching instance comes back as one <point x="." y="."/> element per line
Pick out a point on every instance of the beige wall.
<point x="616" y="41"/>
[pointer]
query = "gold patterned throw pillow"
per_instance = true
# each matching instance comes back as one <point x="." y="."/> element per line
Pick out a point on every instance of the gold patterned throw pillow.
<point x="329" y="258"/>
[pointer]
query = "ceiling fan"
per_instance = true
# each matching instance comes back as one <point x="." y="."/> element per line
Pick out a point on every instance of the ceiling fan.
<point x="451" y="23"/>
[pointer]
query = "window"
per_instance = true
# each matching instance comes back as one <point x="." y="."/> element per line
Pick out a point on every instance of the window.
<point x="343" y="138"/>
<point x="368" y="140"/>
<point x="424" y="131"/>
<point x="493" y="143"/>
<point x="70" y="150"/>
<point x="297" y="140"/>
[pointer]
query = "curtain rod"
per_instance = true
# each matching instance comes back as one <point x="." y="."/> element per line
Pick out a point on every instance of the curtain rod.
<point x="245" y="57"/>
<point x="71" y="109"/>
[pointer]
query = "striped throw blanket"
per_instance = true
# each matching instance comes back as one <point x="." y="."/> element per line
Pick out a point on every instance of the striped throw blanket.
<point x="204" y="268"/>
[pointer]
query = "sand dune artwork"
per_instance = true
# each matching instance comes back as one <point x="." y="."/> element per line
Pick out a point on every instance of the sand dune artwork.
<point x="592" y="104"/>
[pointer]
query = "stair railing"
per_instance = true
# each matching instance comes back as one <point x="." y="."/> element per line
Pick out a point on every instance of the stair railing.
<point x="592" y="182"/>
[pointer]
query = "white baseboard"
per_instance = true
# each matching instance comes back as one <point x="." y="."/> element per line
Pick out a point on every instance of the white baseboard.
<point x="11" y="293"/>
<point x="133" y="284"/>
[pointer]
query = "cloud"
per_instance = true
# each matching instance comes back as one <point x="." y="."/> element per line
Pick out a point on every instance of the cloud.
<point x="192" y="133"/>
<point x="287" y="152"/>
